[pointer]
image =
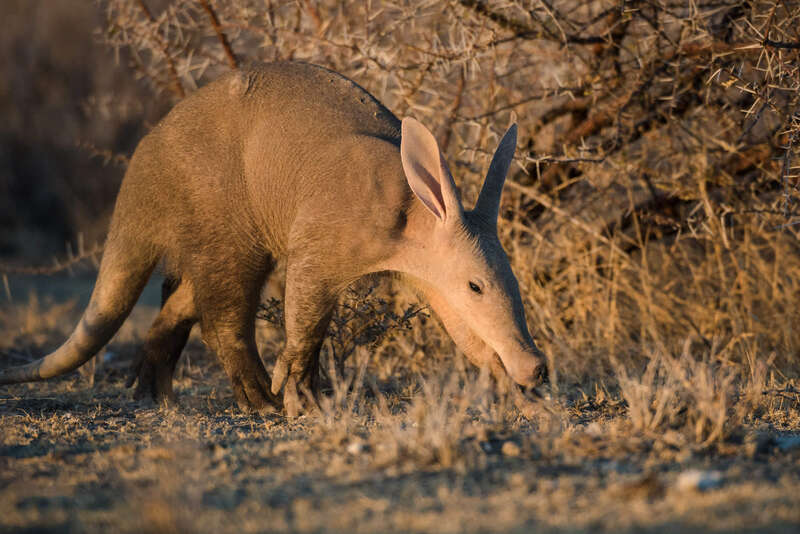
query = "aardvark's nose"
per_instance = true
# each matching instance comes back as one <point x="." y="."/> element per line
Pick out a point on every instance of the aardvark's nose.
<point x="540" y="374"/>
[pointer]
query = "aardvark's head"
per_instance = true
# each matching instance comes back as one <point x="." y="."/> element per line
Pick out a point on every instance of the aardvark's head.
<point x="457" y="253"/>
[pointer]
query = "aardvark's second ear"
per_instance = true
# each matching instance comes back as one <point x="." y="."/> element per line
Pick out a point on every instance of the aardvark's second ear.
<point x="426" y="170"/>
<point x="488" y="204"/>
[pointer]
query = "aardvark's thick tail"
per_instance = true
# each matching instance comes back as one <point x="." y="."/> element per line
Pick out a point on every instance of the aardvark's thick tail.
<point x="124" y="271"/>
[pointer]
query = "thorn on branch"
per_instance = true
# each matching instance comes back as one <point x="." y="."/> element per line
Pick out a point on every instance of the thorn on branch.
<point x="525" y="31"/>
<point x="58" y="266"/>
<point x="176" y="85"/>
<point x="452" y="116"/>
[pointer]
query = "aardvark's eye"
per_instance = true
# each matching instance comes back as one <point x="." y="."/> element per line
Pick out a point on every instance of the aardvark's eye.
<point x="475" y="288"/>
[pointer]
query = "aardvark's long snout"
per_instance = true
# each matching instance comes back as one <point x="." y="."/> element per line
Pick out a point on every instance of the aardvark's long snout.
<point x="525" y="364"/>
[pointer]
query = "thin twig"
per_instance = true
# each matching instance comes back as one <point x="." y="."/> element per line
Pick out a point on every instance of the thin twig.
<point x="223" y="39"/>
<point x="58" y="266"/>
<point x="176" y="85"/>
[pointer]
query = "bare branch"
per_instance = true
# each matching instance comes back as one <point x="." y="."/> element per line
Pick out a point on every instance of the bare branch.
<point x="223" y="39"/>
<point x="176" y="85"/>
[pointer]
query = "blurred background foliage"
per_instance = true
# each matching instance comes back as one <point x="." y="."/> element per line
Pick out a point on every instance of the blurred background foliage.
<point x="62" y="95"/>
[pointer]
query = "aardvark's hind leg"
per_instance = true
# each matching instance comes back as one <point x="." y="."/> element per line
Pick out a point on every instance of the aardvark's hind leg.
<point x="165" y="341"/>
<point x="228" y="303"/>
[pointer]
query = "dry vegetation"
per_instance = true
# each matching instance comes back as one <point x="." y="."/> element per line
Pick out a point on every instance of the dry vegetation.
<point x="652" y="220"/>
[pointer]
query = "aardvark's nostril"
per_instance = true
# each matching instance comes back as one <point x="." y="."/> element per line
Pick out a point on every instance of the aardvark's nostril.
<point x="540" y="374"/>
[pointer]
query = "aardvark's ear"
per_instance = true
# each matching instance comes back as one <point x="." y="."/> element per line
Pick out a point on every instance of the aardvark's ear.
<point x="427" y="172"/>
<point x="488" y="204"/>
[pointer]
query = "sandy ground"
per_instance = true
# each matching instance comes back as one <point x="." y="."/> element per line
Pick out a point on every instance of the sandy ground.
<point x="405" y="455"/>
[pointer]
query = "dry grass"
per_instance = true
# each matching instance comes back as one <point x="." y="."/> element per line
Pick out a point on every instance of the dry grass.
<point x="402" y="441"/>
<point x="651" y="221"/>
